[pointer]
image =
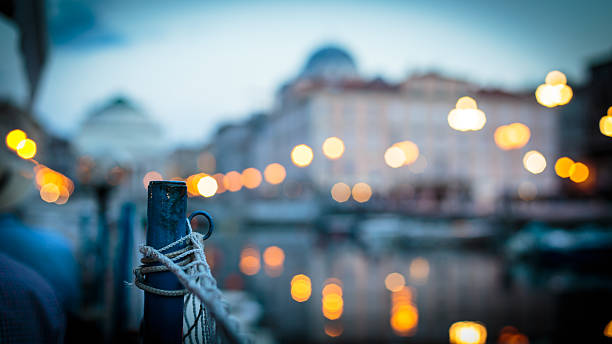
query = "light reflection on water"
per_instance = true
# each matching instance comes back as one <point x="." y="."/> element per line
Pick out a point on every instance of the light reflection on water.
<point x="448" y="284"/>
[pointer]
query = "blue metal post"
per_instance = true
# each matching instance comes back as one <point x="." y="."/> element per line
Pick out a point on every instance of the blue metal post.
<point x="163" y="315"/>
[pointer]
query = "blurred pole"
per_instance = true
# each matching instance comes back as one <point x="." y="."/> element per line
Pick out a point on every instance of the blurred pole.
<point x="166" y="223"/>
<point x="123" y="268"/>
<point x="102" y="193"/>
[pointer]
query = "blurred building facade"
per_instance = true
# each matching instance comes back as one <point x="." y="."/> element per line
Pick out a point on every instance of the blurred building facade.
<point x="119" y="139"/>
<point x="330" y="98"/>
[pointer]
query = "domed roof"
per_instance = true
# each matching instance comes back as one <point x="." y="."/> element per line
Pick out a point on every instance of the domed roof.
<point x="330" y="63"/>
<point x="121" y="131"/>
<point x="118" y="104"/>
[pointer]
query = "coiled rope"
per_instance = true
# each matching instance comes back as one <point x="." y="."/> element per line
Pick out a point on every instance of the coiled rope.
<point x="190" y="267"/>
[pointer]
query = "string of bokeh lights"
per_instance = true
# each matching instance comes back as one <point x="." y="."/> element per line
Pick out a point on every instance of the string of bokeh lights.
<point x="53" y="186"/>
<point x="464" y="117"/>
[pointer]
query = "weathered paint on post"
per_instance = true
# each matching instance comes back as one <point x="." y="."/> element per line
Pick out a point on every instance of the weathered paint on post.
<point x="163" y="315"/>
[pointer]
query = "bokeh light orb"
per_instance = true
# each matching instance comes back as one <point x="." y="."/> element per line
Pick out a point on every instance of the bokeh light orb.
<point x="404" y="319"/>
<point x="249" y="261"/>
<point x="301" y="155"/>
<point x="334" y="329"/>
<point x="578" y="172"/>
<point x="410" y="149"/>
<point x="301" y="288"/>
<point x="419" y="269"/>
<point x="274" y="256"/>
<point x="232" y="181"/>
<point x="464" y="103"/>
<point x="605" y="125"/>
<point x="395" y="157"/>
<point x="219" y="179"/>
<point x="207" y="186"/>
<point x="467" y="332"/>
<point x="149" y="177"/>
<point x="49" y="193"/>
<point x="275" y="173"/>
<point x="534" y="162"/>
<point x="562" y="166"/>
<point x="362" y="192"/>
<point x="333" y="148"/>
<point x="555" y="91"/>
<point x="26" y="149"/>
<point x="395" y="281"/>
<point x="466" y="116"/>
<point x="341" y="192"/>
<point x="251" y="178"/>
<point x="512" y="136"/>
<point x="556" y="78"/>
<point x="14" y="138"/>
<point x="331" y="288"/>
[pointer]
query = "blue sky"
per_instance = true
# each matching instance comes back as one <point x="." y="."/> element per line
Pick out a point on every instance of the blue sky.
<point x="194" y="64"/>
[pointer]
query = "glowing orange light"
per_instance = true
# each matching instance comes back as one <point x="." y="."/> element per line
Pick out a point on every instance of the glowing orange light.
<point x="605" y="124"/>
<point x="275" y="173"/>
<point x="64" y="194"/>
<point x="219" y="179"/>
<point x="512" y="136"/>
<point x="410" y="149"/>
<point x="334" y="329"/>
<point x="47" y="180"/>
<point x="14" y="138"/>
<point x="232" y="181"/>
<point x="361" y="192"/>
<point x="608" y="330"/>
<point x="274" y="256"/>
<point x="534" y="162"/>
<point x="207" y="186"/>
<point x="554" y="92"/>
<point x="192" y="184"/>
<point x="49" y="193"/>
<point x="395" y="157"/>
<point x="404" y="319"/>
<point x="510" y="335"/>
<point x="395" y="281"/>
<point x="404" y="314"/>
<point x="301" y="155"/>
<point x="579" y="172"/>
<point x="562" y="166"/>
<point x="333" y="148"/>
<point x="301" y="288"/>
<point x="26" y="149"/>
<point x="332" y="306"/>
<point x="151" y="176"/>
<point x="251" y="178"/>
<point x="419" y="269"/>
<point x="340" y="192"/>
<point x="467" y="332"/>
<point x="466" y="103"/>
<point x="466" y="116"/>
<point x="332" y="303"/>
<point x="332" y="288"/>
<point x="249" y="261"/>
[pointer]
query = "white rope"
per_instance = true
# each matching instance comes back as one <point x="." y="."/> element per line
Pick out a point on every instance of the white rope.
<point x="190" y="267"/>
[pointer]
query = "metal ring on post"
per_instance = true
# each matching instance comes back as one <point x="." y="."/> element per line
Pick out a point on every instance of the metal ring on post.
<point x="211" y="225"/>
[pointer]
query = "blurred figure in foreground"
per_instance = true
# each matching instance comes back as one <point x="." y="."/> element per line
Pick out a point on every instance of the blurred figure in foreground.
<point x="38" y="272"/>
